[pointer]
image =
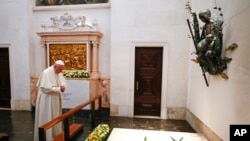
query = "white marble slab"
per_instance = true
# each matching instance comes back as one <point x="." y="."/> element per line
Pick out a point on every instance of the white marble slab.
<point x="121" y="134"/>
<point x="77" y="92"/>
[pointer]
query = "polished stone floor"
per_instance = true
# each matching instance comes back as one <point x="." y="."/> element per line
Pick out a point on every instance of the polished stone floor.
<point x="19" y="124"/>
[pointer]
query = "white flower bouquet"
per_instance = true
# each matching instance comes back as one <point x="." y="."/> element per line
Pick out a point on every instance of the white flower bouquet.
<point x="75" y="73"/>
<point x="100" y="133"/>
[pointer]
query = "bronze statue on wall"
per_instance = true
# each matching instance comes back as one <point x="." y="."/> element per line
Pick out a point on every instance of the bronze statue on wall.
<point x="209" y="43"/>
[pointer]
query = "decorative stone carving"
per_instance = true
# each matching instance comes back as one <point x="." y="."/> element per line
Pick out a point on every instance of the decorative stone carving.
<point x="71" y="32"/>
<point x="67" y="22"/>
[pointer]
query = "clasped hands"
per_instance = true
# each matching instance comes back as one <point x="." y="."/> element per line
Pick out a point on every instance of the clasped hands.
<point x="62" y="88"/>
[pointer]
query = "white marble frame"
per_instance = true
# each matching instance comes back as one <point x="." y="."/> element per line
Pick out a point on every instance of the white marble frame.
<point x="164" y="75"/>
<point x="87" y="52"/>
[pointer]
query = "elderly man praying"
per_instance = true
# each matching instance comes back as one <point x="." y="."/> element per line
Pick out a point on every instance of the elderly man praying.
<point x="51" y="84"/>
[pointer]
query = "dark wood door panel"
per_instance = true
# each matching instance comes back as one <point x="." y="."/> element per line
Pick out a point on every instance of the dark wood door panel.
<point x="148" y="77"/>
<point x="4" y="78"/>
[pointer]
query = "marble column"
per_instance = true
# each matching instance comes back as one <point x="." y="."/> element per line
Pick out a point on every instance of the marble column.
<point x="95" y="61"/>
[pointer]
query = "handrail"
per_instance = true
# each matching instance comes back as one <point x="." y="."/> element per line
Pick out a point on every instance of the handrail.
<point x="66" y="115"/>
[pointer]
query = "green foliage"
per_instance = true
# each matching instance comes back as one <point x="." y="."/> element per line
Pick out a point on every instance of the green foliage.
<point x="100" y="133"/>
<point x="75" y="73"/>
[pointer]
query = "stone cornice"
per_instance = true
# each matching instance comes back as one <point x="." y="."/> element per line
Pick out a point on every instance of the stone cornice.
<point x="71" y="36"/>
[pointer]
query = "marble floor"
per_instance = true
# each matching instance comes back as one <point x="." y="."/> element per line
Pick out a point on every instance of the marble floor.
<point x="19" y="124"/>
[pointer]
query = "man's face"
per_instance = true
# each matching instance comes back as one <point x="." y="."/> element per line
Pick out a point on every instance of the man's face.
<point x="58" y="68"/>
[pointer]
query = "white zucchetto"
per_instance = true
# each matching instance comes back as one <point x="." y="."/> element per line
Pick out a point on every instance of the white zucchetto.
<point x="59" y="62"/>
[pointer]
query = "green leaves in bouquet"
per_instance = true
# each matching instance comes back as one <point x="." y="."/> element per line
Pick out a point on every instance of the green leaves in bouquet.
<point x="100" y="133"/>
<point x="76" y="73"/>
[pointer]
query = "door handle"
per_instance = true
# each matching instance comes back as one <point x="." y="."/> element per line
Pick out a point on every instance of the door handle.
<point x="137" y="85"/>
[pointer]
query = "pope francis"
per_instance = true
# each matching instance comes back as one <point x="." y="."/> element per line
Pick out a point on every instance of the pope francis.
<point x="51" y="84"/>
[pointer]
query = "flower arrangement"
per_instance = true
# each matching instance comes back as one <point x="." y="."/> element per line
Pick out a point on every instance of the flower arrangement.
<point x="100" y="133"/>
<point x="75" y="73"/>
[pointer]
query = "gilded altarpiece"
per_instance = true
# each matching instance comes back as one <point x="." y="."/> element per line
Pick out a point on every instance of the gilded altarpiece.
<point x="73" y="55"/>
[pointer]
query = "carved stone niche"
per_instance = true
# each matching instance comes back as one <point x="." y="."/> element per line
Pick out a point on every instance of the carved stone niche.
<point x="74" y="41"/>
<point x="70" y="43"/>
<point x="67" y="41"/>
<point x="70" y="40"/>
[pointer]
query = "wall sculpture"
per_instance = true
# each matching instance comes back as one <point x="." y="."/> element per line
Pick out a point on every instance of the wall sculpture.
<point x="208" y="42"/>
<point x="67" y="22"/>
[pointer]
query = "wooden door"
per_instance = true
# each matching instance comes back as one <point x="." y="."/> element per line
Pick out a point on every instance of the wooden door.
<point x="148" y="80"/>
<point x="4" y="78"/>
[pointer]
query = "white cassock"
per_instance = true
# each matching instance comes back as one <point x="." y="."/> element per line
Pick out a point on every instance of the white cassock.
<point x="48" y="102"/>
